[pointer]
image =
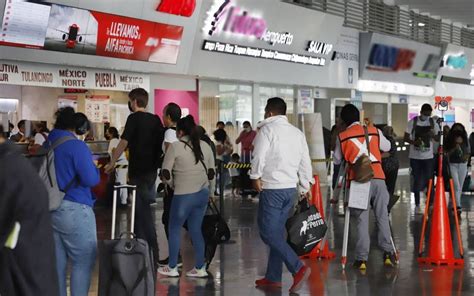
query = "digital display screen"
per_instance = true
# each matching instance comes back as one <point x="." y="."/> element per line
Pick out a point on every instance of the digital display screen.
<point x="68" y="29"/>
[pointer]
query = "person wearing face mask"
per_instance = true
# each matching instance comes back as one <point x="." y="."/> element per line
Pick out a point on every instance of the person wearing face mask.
<point x="246" y="138"/>
<point x="74" y="224"/>
<point x="421" y="132"/>
<point x="188" y="167"/>
<point x="143" y="135"/>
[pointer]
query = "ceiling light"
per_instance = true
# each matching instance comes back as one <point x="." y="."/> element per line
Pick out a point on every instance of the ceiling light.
<point x="421" y="24"/>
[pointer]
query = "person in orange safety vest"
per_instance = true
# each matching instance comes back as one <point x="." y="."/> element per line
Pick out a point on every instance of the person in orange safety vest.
<point x="351" y="144"/>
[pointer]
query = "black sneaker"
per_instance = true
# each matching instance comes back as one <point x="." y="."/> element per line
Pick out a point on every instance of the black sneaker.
<point x="389" y="259"/>
<point x="360" y="264"/>
<point x="165" y="262"/>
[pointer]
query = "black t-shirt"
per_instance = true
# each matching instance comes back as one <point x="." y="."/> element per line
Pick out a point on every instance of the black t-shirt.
<point x="144" y="133"/>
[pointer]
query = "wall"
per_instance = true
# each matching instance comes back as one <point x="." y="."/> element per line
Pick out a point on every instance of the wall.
<point x="185" y="99"/>
<point x="323" y="106"/>
<point x="399" y="118"/>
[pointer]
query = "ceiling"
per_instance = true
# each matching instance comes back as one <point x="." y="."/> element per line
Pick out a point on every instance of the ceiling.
<point x="456" y="10"/>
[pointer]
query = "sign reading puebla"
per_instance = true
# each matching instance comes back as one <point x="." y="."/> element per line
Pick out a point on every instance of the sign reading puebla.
<point x="226" y="16"/>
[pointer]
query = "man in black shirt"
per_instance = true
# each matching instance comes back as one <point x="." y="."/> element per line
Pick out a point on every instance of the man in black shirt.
<point x="143" y="135"/>
<point x="27" y="257"/>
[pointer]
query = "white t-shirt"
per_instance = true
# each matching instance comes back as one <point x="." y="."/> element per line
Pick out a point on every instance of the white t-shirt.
<point x="40" y="139"/>
<point x="170" y="137"/>
<point x="112" y="145"/>
<point x="418" y="153"/>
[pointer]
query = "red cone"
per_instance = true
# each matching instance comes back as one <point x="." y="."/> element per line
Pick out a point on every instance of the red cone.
<point x="440" y="245"/>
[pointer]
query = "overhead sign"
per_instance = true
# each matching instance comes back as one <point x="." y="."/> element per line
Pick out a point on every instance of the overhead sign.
<point x="81" y="78"/>
<point x="390" y="58"/>
<point x="387" y="58"/>
<point x="62" y="28"/>
<point x="232" y="20"/>
<point x="456" y="61"/>
<point x="226" y="16"/>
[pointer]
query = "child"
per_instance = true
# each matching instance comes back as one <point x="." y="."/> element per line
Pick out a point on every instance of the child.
<point x="235" y="173"/>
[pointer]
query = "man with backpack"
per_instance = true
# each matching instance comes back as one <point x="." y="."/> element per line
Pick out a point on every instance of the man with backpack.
<point x="360" y="147"/>
<point x="420" y="133"/>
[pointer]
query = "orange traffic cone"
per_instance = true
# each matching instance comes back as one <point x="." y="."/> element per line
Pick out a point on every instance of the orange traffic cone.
<point x="317" y="201"/>
<point x="440" y="245"/>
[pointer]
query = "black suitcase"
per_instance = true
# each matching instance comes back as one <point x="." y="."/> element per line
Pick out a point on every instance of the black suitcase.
<point x="125" y="263"/>
<point x="246" y="187"/>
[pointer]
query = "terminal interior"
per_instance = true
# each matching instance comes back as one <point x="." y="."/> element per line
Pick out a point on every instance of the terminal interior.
<point x="220" y="61"/>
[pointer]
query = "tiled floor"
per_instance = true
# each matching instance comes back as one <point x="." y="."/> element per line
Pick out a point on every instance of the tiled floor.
<point x="238" y="263"/>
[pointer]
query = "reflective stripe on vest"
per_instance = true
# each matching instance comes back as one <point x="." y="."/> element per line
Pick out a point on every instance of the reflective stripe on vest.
<point x="353" y="146"/>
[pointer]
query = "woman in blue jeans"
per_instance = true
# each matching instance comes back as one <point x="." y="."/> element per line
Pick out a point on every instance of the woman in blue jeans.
<point x="188" y="166"/>
<point x="74" y="221"/>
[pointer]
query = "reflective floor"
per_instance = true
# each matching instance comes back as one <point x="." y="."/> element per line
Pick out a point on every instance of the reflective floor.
<point x="238" y="263"/>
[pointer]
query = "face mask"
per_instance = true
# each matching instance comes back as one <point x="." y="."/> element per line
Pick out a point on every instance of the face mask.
<point x="130" y="107"/>
<point x="248" y="129"/>
<point x="424" y="117"/>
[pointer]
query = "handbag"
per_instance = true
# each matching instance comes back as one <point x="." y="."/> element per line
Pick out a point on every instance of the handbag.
<point x="362" y="168"/>
<point x="306" y="228"/>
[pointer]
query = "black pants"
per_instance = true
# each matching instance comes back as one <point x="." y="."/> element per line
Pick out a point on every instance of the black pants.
<point x="422" y="171"/>
<point x="391" y="181"/>
<point x="144" y="222"/>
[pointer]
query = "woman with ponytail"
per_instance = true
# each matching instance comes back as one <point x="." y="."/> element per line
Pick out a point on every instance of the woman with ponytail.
<point x="188" y="167"/>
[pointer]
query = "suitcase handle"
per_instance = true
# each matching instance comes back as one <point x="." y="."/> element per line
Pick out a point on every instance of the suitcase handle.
<point x="114" y="207"/>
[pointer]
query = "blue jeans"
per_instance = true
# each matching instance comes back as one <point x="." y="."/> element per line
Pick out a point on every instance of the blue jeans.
<point x="273" y="211"/>
<point x="191" y="208"/>
<point x="75" y="237"/>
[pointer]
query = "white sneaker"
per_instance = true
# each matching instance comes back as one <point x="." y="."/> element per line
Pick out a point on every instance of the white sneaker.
<point x="198" y="273"/>
<point x="167" y="271"/>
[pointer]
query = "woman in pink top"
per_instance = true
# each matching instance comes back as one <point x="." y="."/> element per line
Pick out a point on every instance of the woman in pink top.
<point x="246" y="138"/>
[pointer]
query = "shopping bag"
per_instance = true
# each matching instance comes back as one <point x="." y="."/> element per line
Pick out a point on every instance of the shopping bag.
<point x="306" y="228"/>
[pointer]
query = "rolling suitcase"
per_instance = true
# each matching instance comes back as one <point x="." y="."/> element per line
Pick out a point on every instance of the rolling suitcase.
<point x="125" y="263"/>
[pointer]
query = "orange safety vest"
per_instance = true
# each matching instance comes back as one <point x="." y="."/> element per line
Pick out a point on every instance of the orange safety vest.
<point x="353" y="145"/>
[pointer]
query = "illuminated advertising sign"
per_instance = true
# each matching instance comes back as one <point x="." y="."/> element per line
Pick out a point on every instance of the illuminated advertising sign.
<point x="227" y="20"/>
<point x="390" y="59"/>
<point x="227" y="17"/>
<point x="73" y="30"/>
<point x="456" y="61"/>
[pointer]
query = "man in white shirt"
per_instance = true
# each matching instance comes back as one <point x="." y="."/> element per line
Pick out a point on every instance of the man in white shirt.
<point x="280" y="162"/>
<point x="420" y="133"/>
<point x="171" y="115"/>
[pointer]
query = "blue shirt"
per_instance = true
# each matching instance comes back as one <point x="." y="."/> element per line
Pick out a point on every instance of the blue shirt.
<point x="73" y="159"/>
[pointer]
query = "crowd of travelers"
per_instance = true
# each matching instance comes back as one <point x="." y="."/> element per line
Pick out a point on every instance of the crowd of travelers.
<point x="180" y="154"/>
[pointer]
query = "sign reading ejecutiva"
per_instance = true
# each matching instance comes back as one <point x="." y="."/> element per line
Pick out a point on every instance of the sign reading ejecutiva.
<point x="62" y="28"/>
